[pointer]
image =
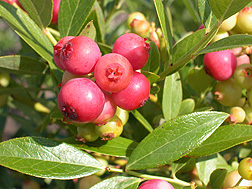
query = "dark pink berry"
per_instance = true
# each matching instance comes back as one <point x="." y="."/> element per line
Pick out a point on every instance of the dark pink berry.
<point x="80" y="100"/>
<point x="220" y="64"/>
<point x="156" y="184"/>
<point x="108" y="111"/>
<point x="134" y="48"/>
<point x="79" y="55"/>
<point x="56" y="4"/>
<point x="135" y="94"/>
<point x="57" y="49"/>
<point x="113" y="72"/>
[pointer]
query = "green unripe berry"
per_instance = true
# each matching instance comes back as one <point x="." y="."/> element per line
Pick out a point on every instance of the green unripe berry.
<point x="243" y="76"/>
<point x="245" y="168"/>
<point x="112" y="129"/>
<point x="135" y="15"/>
<point x="104" y="162"/>
<point x="237" y="115"/>
<point x="244" y="20"/>
<point x="87" y="133"/>
<point x="4" y="79"/>
<point x="229" y="23"/>
<point x="220" y="35"/>
<point x="227" y="92"/>
<point x="248" y="118"/>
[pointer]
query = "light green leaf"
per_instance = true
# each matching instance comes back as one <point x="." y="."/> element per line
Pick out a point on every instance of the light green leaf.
<point x="89" y="30"/>
<point x="142" y="120"/>
<point x="174" y="139"/>
<point x="39" y="10"/>
<point x="72" y="16"/>
<point x="208" y="18"/>
<point x="121" y="182"/>
<point x="46" y="158"/>
<point x="223" y="138"/>
<point x="165" y="24"/>
<point x="217" y="178"/>
<point x="22" y="65"/>
<point x="233" y="41"/>
<point x="172" y="96"/>
<point x="205" y="166"/>
<point x="119" y="146"/>
<point x="226" y="8"/>
<point x="187" y="106"/>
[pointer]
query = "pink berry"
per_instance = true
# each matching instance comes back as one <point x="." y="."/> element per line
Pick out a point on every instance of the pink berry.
<point x="134" y="48"/>
<point x="81" y="100"/>
<point x="220" y="64"/>
<point x="113" y="72"/>
<point x="243" y="59"/>
<point x="57" y="49"/>
<point x="156" y="184"/>
<point x="108" y="111"/>
<point x="56" y="4"/>
<point x="135" y="94"/>
<point x="79" y="55"/>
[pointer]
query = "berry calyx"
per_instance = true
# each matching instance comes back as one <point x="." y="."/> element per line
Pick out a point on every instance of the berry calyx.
<point x="134" y="48"/>
<point x="57" y="48"/>
<point x="113" y="72"/>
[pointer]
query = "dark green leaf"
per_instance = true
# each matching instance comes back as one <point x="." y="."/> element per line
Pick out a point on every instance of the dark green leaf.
<point x="39" y="10"/>
<point x="217" y="178"/>
<point x="192" y="10"/>
<point x="174" y="139"/>
<point x="233" y="41"/>
<point x="220" y="140"/>
<point x="22" y="65"/>
<point x="72" y="16"/>
<point x="172" y="96"/>
<point x="121" y="182"/>
<point x="208" y="18"/>
<point x="119" y="146"/>
<point x="89" y="30"/>
<point x="165" y="24"/>
<point x="153" y="63"/>
<point x="13" y="90"/>
<point x="179" y="164"/>
<point x="205" y="166"/>
<point x="105" y="49"/>
<point x="187" y="106"/>
<point x="46" y="158"/>
<point x="142" y="120"/>
<point x="223" y="9"/>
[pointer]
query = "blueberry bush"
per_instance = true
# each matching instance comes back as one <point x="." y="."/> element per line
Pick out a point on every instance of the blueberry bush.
<point x="111" y="94"/>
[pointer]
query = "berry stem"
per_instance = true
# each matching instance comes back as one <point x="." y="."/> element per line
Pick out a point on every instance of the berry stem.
<point x="50" y="36"/>
<point x="54" y="32"/>
<point x="148" y="177"/>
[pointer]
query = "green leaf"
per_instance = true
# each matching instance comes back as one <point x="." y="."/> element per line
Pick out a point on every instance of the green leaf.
<point x="174" y="139"/>
<point x="153" y="62"/>
<point x="72" y="16"/>
<point x="46" y="158"/>
<point x="152" y="77"/>
<point x="22" y="65"/>
<point x="116" y="182"/>
<point x="179" y="164"/>
<point x="172" y="96"/>
<point x="121" y="147"/>
<point x="89" y="30"/>
<point x="13" y="90"/>
<point x="220" y="140"/>
<point x="39" y="10"/>
<point x="142" y="120"/>
<point x="105" y="49"/>
<point x="208" y="18"/>
<point x="165" y="24"/>
<point x="217" y="178"/>
<point x="205" y="166"/>
<point x="187" y="106"/>
<point x="233" y="41"/>
<point x="223" y="9"/>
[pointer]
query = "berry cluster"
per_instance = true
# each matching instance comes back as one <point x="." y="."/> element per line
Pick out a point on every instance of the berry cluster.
<point x="232" y="70"/>
<point x="93" y="87"/>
